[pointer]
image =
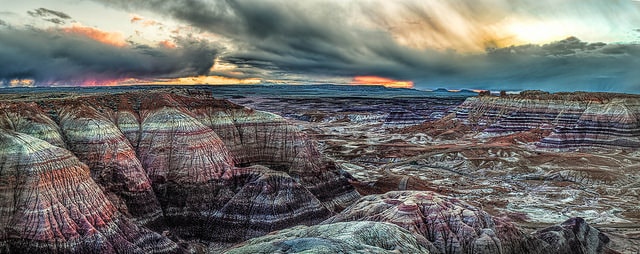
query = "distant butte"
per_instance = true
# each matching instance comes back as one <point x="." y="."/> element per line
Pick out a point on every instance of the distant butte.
<point x="577" y="120"/>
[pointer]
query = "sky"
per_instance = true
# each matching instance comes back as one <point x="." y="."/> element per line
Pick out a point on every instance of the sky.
<point x="553" y="45"/>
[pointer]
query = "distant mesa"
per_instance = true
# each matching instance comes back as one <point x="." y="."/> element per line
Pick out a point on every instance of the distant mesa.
<point x="441" y="90"/>
<point x="577" y="120"/>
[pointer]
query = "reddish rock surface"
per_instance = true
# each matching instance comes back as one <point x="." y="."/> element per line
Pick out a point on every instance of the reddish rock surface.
<point x="451" y="225"/>
<point x="50" y="204"/>
<point x="577" y="120"/>
<point x="208" y="173"/>
<point x="198" y="167"/>
<point x="454" y="226"/>
<point x="509" y="169"/>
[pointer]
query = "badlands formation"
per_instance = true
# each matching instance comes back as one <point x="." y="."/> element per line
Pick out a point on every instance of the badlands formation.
<point x="177" y="171"/>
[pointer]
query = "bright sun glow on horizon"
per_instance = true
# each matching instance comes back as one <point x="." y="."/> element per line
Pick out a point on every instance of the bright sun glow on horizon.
<point x="386" y="82"/>
<point x="536" y="32"/>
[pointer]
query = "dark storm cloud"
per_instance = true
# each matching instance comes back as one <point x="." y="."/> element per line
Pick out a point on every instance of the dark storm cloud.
<point x="44" y="12"/>
<point x="56" y="17"/>
<point x="293" y="37"/>
<point x="274" y="39"/>
<point x="3" y="23"/>
<point x="56" y="21"/>
<point x="568" y="64"/>
<point x="50" y="56"/>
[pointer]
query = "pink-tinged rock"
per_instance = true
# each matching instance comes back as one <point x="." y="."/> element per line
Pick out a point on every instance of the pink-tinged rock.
<point x="161" y="162"/>
<point x="29" y="118"/>
<point x="201" y="186"/>
<point x="98" y="142"/>
<point x="186" y="162"/>
<point x="572" y="236"/>
<point x="454" y="226"/>
<point x="261" y="138"/>
<point x="611" y="124"/>
<point x="576" y="120"/>
<point x="451" y="225"/>
<point x="175" y="147"/>
<point x="49" y="203"/>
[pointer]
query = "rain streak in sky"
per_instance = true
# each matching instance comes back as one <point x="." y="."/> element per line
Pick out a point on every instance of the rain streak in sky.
<point x="556" y="45"/>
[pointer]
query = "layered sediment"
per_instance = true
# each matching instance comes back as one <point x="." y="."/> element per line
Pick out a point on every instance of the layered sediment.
<point x="98" y="142"/>
<point x="187" y="164"/>
<point x="454" y="226"/>
<point x="101" y="172"/>
<point x="451" y="225"/>
<point x="342" y="237"/>
<point x="576" y="120"/>
<point x="50" y="204"/>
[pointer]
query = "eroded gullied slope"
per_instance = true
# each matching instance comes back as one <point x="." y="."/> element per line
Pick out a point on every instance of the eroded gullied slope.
<point x="194" y="174"/>
<point x="260" y="138"/>
<point x="186" y="162"/>
<point x="29" y="118"/>
<point x="50" y="204"/>
<point x="575" y="120"/>
<point x="198" y="167"/>
<point x="98" y="142"/>
<point x="612" y="124"/>
<point x="342" y="237"/>
<point x="451" y="225"/>
<point x="455" y="226"/>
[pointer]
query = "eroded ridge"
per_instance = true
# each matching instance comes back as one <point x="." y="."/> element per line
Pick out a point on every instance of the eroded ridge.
<point x="174" y="161"/>
<point x="454" y="226"/>
<point x="50" y="204"/>
<point x="575" y="120"/>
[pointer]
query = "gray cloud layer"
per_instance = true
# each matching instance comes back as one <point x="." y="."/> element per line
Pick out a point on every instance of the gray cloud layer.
<point x="274" y="39"/>
<point x="49" y="56"/>
<point x="56" y="17"/>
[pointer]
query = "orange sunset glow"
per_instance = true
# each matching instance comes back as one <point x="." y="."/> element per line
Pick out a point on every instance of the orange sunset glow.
<point x="167" y="44"/>
<point x="111" y="38"/>
<point x="386" y="82"/>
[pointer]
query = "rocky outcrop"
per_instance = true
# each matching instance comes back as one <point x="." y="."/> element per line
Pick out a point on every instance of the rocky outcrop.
<point x="98" y="142"/>
<point x="577" y="120"/>
<point x="342" y="237"/>
<point x="451" y="225"/>
<point x="403" y="118"/>
<point x="50" y="204"/>
<point x="184" y="162"/>
<point x="261" y="138"/>
<point x="572" y="236"/>
<point x="29" y="118"/>
<point x="454" y="226"/>
<point x="612" y="124"/>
